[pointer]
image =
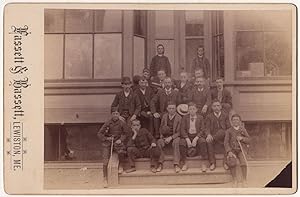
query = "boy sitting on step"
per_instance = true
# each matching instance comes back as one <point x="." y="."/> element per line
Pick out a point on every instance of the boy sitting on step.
<point x="141" y="144"/>
<point x="192" y="134"/>
<point x="169" y="134"/>
<point x="234" y="137"/>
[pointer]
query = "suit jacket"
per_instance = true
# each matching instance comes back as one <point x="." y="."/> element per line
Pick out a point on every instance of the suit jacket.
<point x="159" y="62"/>
<point x="160" y="100"/>
<point x="134" y="102"/>
<point x="145" y="99"/>
<point x="185" y="126"/>
<point x="143" y="140"/>
<point x="184" y="91"/>
<point x="176" y="124"/>
<point x="201" y="63"/>
<point x="226" y="96"/>
<point x="213" y="124"/>
<point x="117" y="129"/>
<point x="230" y="141"/>
<point x="200" y="98"/>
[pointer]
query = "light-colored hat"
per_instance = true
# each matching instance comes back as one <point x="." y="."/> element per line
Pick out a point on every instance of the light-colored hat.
<point x="183" y="109"/>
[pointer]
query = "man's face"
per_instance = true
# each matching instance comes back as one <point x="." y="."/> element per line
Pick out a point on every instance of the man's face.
<point x="171" y="109"/>
<point x="236" y="121"/>
<point x="143" y="84"/>
<point x="183" y="77"/>
<point x="200" y="82"/>
<point x="219" y="83"/>
<point x="126" y="86"/>
<point x="146" y="75"/>
<point x="161" y="74"/>
<point x="168" y="83"/>
<point x="193" y="110"/>
<point x="136" y="125"/>
<point x="200" y="51"/>
<point x="199" y="73"/>
<point x="216" y="107"/>
<point x="115" y="115"/>
<point x="160" y="50"/>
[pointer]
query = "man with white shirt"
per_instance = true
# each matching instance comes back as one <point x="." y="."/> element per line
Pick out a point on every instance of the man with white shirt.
<point x="169" y="134"/>
<point x="192" y="136"/>
<point x="216" y="124"/>
<point x="145" y="93"/>
<point x="201" y="95"/>
<point x="160" y="61"/>
<point x="158" y="104"/>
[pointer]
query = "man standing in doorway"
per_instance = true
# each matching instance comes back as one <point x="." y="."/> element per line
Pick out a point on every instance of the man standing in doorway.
<point x="201" y="62"/>
<point x="160" y="61"/>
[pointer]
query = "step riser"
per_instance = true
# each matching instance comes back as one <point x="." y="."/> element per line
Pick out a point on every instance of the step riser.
<point x="176" y="179"/>
<point x="170" y="164"/>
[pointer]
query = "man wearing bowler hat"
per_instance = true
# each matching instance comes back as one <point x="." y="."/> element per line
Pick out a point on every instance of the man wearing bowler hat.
<point x="128" y="103"/>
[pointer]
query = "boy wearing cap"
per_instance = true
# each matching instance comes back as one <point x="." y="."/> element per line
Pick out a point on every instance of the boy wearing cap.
<point x="169" y="134"/>
<point x="192" y="136"/>
<point x="158" y="104"/>
<point x="141" y="144"/>
<point x="234" y="137"/>
<point x="128" y="103"/>
<point x="223" y="95"/>
<point x="201" y="95"/>
<point x="113" y="133"/>
<point x="184" y="87"/>
<point x="145" y="94"/>
<point x="216" y="124"/>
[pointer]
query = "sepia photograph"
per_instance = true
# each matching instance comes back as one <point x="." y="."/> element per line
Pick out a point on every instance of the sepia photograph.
<point x="160" y="97"/>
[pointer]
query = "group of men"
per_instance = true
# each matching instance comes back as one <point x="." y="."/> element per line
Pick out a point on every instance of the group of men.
<point x="188" y="115"/>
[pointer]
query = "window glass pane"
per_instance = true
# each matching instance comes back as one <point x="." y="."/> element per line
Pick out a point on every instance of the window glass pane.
<point x="277" y="20"/>
<point x="108" y="20"/>
<point x="54" y="21"/>
<point x="78" y="56"/>
<point x="169" y="51"/>
<point x="248" y="20"/>
<point x="164" y="22"/>
<point x="53" y="56"/>
<point x="194" y="23"/>
<point x="221" y="21"/>
<point x="79" y="21"/>
<point x="139" y="55"/>
<point x="278" y="59"/>
<point x="250" y="54"/>
<point x="108" y="56"/>
<point x="191" y="51"/>
<point x="140" y="22"/>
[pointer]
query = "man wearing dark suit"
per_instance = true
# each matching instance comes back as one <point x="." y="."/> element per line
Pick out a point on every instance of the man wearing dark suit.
<point x="158" y="81"/>
<point x="169" y="134"/>
<point x="216" y="124"/>
<point x="201" y="95"/>
<point x="223" y="95"/>
<point x="158" y="104"/>
<point x="128" y="103"/>
<point x="184" y="87"/>
<point x="201" y="62"/>
<point x="160" y="61"/>
<point x="145" y="94"/>
<point x="192" y="136"/>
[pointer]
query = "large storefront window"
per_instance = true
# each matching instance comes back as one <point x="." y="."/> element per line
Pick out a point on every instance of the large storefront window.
<point x="263" y="44"/>
<point x="83" y="44"/>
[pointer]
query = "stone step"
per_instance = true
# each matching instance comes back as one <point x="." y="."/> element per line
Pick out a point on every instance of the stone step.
<point x="192" y="162"/>
<point x="169" y="177"/>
